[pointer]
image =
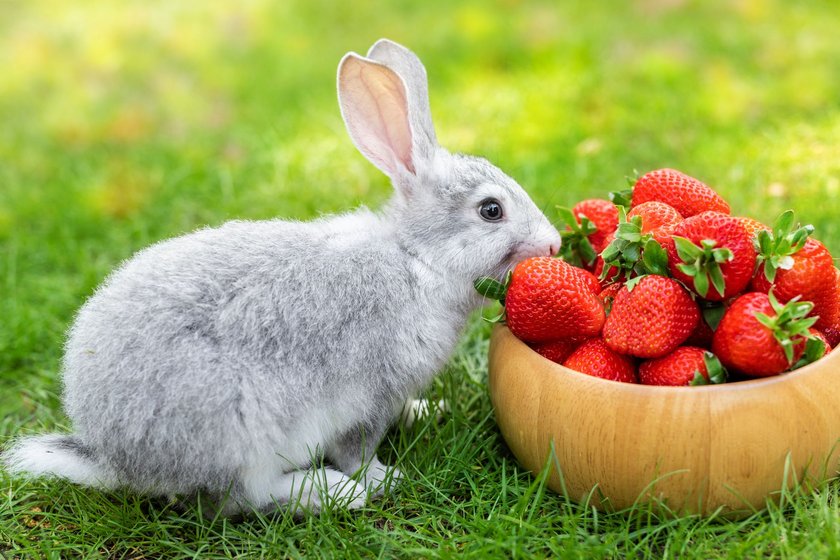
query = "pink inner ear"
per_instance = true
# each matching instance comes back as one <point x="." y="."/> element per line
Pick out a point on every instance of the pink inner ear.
<point x="376" y="112"/>
<point x="391" y="120"/>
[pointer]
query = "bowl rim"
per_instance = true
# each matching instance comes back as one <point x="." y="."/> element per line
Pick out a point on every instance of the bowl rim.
<point x="814" y="368"/>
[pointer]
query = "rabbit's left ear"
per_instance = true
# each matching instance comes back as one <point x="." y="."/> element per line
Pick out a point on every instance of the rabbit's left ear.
<point x="406" y="64"/>
<point x="375" y="108"/>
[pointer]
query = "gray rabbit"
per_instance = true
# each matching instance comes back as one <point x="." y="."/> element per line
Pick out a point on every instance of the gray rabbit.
<point x="222" y="361"/>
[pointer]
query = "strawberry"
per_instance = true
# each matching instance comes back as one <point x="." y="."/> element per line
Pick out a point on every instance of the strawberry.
<point x="658" y="220"/>
<point x="650" y="317"/>
<point x="587" y="226"/>
<point x="685" y="194"/>
<point x="656" y="216"/>
<point x="751" y="225"/>
<point x="589" y="280"/>
<point x="793" y="264"/>
<point x="558" y="350"/>
<point x="712" y="248"/>
<point x="603" y="214"/>
<point x="687" y="365"/>
<point x="546" y="299"/>
<point x="811" y="275"/>
<point x="759" y="336"/>
<point x="596" y="358"/>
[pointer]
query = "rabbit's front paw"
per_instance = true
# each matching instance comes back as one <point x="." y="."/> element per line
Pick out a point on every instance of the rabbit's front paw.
<point x="418" y="409"/>
<point x="347" y="493"/>
<point x="378" y="478"/>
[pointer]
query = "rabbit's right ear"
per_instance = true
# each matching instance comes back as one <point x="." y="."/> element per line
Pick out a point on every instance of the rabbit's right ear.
<point x="374" y="103"/>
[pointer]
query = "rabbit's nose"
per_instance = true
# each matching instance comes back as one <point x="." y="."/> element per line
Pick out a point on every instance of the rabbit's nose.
<point x="553" y="249"/>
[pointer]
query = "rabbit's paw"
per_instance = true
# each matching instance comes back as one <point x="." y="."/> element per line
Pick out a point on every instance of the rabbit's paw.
<point x="378" y="478"/>
<point x="347" y="493"/>
<point x="418" y="409"/>
<point x="305" y="491"/>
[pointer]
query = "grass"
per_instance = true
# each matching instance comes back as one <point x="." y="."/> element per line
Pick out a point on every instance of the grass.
<point x="125" y="123"/>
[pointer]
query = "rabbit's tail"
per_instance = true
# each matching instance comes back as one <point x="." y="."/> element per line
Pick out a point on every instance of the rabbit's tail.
<point x="61" y="455"/>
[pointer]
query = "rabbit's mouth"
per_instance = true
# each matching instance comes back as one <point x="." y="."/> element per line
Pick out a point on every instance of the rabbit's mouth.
<point x="515" y="254"/>
<point x="522" y="251"/>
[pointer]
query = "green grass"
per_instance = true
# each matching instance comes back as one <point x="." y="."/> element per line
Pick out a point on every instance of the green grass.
<point x="127" y="123"/>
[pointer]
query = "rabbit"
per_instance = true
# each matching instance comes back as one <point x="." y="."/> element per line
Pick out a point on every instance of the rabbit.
<point x="226" y="361"/>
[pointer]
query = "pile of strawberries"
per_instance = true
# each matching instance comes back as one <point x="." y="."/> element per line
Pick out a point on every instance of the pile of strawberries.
<point x="661" y="285"/>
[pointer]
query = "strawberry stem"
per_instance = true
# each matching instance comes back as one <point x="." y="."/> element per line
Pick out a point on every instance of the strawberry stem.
<point x="623" y="197"/>
<point x="575" y="247"/>
<point x="791" y="323"/>
<point x="814" y="350"/>
<point x="702" y="263"/>
<point x="632" y="252"/>
<point x="717" y="373"/>
<point x="775" y="248"/>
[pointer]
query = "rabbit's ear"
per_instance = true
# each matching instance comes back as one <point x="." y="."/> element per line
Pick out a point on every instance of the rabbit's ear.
<point x="375" y="109"/>
<point x="406" y="64"/>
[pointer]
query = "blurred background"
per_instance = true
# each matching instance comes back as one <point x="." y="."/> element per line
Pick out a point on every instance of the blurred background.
<point x="122" y="123"/>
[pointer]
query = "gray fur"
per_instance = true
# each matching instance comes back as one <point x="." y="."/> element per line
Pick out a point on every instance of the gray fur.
<point x="222" y="360"/>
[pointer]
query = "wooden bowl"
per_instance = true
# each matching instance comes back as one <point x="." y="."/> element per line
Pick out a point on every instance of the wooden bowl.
<point x="693" y="449"/>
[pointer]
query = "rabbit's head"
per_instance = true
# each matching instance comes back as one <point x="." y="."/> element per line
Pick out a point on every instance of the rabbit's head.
<point x="458" y="213"/>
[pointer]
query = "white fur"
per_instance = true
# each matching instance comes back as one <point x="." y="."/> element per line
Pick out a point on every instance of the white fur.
<point x="44" y="456"/>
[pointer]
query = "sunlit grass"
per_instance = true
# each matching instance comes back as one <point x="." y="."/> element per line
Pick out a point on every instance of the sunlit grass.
<point x="127" y="122"/>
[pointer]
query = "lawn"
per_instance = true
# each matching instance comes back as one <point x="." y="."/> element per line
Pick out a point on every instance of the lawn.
<point x="128" y="122"/>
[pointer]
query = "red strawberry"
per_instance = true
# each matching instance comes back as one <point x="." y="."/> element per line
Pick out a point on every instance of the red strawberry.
<point x="595" y="358"/>
<point x="587" y="226"/>
<point x="651" y="320"/>
<point x="655" y="215"/>
<point x="589" y="280"/>
<point x="558" y="350"/>
<point x="713" y="254"/>
<point x="547" y="299"/>
<point x="807" y="272"/>
<point x="658" y="219"/>
<point x="687" y="365"/>
<point x="760" y="337"/>
<point x="603" y="214"/>
<point x="686" y="194"/>
<point x="751" y="225"/>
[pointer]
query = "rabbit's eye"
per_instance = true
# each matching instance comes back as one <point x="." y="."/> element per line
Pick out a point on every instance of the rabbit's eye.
<point x="490" y="210"/>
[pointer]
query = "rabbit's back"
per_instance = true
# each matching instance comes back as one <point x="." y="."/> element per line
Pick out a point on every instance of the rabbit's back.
<point x="255" y="337"/>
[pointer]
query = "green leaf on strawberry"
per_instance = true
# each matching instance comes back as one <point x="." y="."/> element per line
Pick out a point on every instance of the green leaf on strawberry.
<point x="814" y="350"/>
<point x="775" y="248"/>
<point x="492" y="288"/>
<point x="623" y="197"/>
<point x="655" y="258"/>
<point x="702" y="263"/>
<point x="791" y="323"/>
<point x="717" y="373"/>
<point x="713" y="313"/>
<point x="633" y="252"/>
<point x="576" y="248"/>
